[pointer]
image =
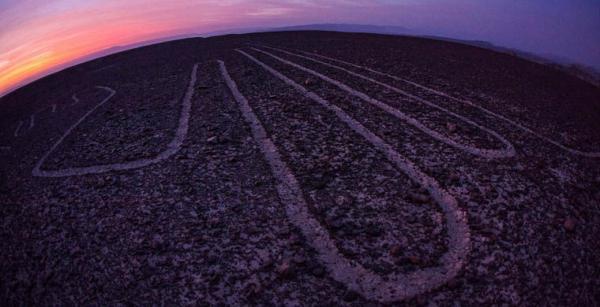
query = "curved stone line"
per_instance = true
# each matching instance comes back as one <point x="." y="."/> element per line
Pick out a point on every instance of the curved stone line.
<point x="509" y="151"/>
<point x="75" y="99"/>
<point x="52" y="107"/>
<point x="16" y="134"/>
<point x="31" y="121"/>
<point x="172" y="147"/>
<point x="464" y="101"/>
<point x="350" y="273"/>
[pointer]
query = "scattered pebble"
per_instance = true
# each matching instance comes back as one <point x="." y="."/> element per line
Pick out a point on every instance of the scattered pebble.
<point x="451" y="127"/>
<point x="418" y="198"/>
<point x="569" y="224"/>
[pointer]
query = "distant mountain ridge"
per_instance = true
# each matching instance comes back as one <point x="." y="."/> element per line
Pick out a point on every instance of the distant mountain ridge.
<point x="354" y="28"/>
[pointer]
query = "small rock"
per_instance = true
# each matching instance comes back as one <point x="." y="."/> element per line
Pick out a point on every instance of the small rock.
<point x="350" y="296"/>
<point x="335" y="224"/>
<point x="295" y="239"/>
<point x="569" y="224"/>
<point x="299" y="259"/>
<point x="253" y="230"/>
<point x="419" y="198"/>
<point x="454" y="177"/>
<point x="153" y="261"/>
<point x="341" y="200"/>
<point x="101" y="182"/>
<point x="285" y="269"/>
<point x="22" y="276"/>
<point x="489" y="259"/>
<point x="214" y="278"/>
<point x="414" y="260"/>
<point x="451" y="127"/>
<point x="318" y="271"/>
<point x="411" y="259"/>
<point x="214" y="222"/>
<point x="157" y="240"/>
<point x="252" y="290"/>
<point x="396" y="250"/>
<point x="319" y="181"/>
<point x="374" y="230"/>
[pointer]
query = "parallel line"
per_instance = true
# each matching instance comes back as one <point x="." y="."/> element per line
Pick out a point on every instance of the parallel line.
<point x="357" y="278"/>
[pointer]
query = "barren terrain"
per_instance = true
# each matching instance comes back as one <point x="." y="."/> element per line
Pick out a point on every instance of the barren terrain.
<point x="301" y="168"/>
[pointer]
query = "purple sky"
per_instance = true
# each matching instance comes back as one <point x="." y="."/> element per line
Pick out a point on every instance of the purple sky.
<point x="37" y="36"/>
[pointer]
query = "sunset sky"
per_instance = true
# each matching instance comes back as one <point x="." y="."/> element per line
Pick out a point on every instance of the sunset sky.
<point x="38" y="36"/>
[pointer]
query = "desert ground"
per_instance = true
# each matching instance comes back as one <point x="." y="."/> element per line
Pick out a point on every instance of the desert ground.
<point x="301" y="168"/>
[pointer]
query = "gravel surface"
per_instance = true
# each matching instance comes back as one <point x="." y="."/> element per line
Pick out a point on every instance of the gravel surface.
<point x="208" y="226"/>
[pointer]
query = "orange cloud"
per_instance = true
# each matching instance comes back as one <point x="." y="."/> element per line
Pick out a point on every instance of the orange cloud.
<point x="48" y="37"/>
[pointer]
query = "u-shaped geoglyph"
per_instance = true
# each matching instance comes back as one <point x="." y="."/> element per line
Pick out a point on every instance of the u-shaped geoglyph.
<point x="464" y="101"/>
<point x="357" y="278"/>
<point x="172" y="147"/>
<point x="507" y="151"/>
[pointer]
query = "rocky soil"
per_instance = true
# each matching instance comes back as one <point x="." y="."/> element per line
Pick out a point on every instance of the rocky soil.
<point x="208" y="226"/>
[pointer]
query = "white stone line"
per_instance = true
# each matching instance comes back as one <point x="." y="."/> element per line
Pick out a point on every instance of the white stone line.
<point x="31" y="121"/>
<point x="464" y="101"/>
<point x="75" y="99"/>
<point x="508" y="150"/>
<point x="357" y="278"/>
<point x="16" y="134"/>
<point x="485" y="153"/>
<point x="172" y="147"/>
<point x="53" y="108"/>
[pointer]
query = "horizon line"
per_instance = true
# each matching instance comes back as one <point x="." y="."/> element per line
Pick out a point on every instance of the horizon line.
<point x="251" y="30"/>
